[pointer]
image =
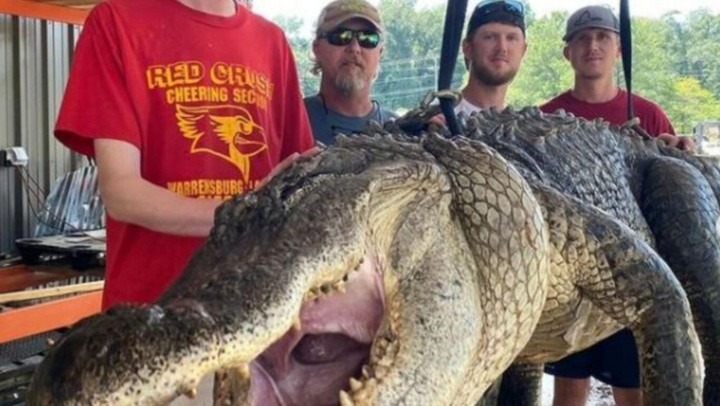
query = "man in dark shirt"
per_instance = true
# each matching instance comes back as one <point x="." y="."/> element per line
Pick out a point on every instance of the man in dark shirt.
<point x="347" y="48"/>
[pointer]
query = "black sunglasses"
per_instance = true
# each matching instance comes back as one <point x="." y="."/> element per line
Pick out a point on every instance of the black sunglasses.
<point x="343" y="36"/>
<point x="490" y="6"/>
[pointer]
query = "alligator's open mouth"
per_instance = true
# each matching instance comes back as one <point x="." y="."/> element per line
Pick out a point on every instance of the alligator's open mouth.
<point x="327" y="355"/>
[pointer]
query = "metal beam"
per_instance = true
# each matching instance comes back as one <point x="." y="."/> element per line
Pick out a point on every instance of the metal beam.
<point x="43" y="11"/>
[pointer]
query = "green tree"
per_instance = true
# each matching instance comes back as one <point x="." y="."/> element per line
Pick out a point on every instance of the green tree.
<point x="703" y="44"/>
<point x="667" y="53"/>
<point x="545" y="72"/>
<point x="409" y="68"/>
<point x="676" y="42"/>
<point x="302" y="51"/>
<point x="653" y="71"/>
<point x="695" y="103"/>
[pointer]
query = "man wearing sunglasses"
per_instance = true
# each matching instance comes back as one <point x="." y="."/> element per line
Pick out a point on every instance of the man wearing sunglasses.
<point x="347" y="49"/>
<point x="493" y="48"/>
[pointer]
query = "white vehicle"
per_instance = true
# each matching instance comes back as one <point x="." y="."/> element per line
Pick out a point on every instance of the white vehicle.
<point x="707" y="137"/>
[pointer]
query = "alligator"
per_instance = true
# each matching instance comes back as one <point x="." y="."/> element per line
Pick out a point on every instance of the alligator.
<point x="398" y="269"/>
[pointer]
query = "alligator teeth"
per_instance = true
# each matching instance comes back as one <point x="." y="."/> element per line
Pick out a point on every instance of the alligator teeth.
<point x="370" y="387"/>
<point x="355" y="385"/>
<point x="345" y="399"/>
<point x="382" y="347"/>
<point x="311" y="295"/>
<point x="385" y="361"/>
<point x="366" y="372"/>
<point x="190" y="392"/>
<point x="381" y="371"/>
<point x="325" y="289"/>
<point x="296" y="326"/>
<point x="243" y="370"/>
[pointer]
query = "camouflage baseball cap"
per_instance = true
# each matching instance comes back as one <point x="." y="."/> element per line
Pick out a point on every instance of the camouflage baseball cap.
<point x="591" y="17"/>
<point x="339" y="11"/>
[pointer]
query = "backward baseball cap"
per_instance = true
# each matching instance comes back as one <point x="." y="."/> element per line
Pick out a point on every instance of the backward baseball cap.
<point x="340" y="11"/>
<point x="591" y="17"/>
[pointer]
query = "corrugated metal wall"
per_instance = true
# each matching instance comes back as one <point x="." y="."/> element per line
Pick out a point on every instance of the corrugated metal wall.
<point x="34" y="63"/>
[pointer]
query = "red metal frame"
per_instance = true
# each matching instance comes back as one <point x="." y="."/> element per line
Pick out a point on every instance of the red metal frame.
<point x="26" y="321"/>
<point x="49" y="315"/>
<point x="43" y="11"/>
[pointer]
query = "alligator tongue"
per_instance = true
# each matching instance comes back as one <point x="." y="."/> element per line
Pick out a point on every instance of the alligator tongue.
<point x="322" y="348"/>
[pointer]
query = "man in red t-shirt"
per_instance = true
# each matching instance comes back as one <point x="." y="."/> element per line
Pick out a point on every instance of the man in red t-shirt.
<point x="183" y="104"/>
<point x="593" y="47"/>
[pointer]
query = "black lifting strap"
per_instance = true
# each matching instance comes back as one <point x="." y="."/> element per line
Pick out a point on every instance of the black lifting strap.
<point x="454" y="19"/>
<point x="626" y="50"/>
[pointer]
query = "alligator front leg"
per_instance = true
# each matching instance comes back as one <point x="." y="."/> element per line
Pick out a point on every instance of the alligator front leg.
<point x="447" y="333"/>
<point x="623" y="277"/>
<point x="507" y="236"/>
<point x="682" y="212"/>
<point x="433" y="333"/>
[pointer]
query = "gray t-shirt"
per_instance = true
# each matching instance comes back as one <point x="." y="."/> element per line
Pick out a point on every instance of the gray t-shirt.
<point x="326" y="124"/>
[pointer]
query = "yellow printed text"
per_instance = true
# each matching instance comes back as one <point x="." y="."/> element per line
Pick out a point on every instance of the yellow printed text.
<point x="187" y="94"/>
<point x="176" y="74"/>
<point x="211" y="188"/>
<point x="241" y="76"/>
<point x="249" y="96"/>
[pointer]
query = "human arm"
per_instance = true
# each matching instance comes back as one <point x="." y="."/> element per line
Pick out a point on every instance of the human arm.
<point x="674" y="141"/>
<point x="131" y="199"/>
<point x="98" y="118"/>
<point x="657" y="123"/>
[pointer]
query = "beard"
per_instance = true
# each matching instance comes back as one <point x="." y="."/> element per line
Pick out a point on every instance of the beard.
<point x="487" y="77"/>
<point x="350" y="81"/>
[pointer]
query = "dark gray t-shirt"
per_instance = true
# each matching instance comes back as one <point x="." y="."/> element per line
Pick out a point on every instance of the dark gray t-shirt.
<point x="326" y="124"/>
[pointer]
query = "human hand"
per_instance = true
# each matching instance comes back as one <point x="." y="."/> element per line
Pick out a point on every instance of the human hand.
<point x="285" y="163"/>
<point x="674" y="141"/>
<point x="438" y="119"/>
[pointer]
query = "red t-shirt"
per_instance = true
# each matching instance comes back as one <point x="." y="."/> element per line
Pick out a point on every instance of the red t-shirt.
<point x="212" y="103"/>
<point x="651" y="116"/>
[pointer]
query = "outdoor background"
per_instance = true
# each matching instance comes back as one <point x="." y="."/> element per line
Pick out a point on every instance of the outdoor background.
<point x="676" y="52"/>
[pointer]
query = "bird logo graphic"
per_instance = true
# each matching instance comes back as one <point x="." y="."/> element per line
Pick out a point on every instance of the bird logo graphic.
<point x="227" y="132"/>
